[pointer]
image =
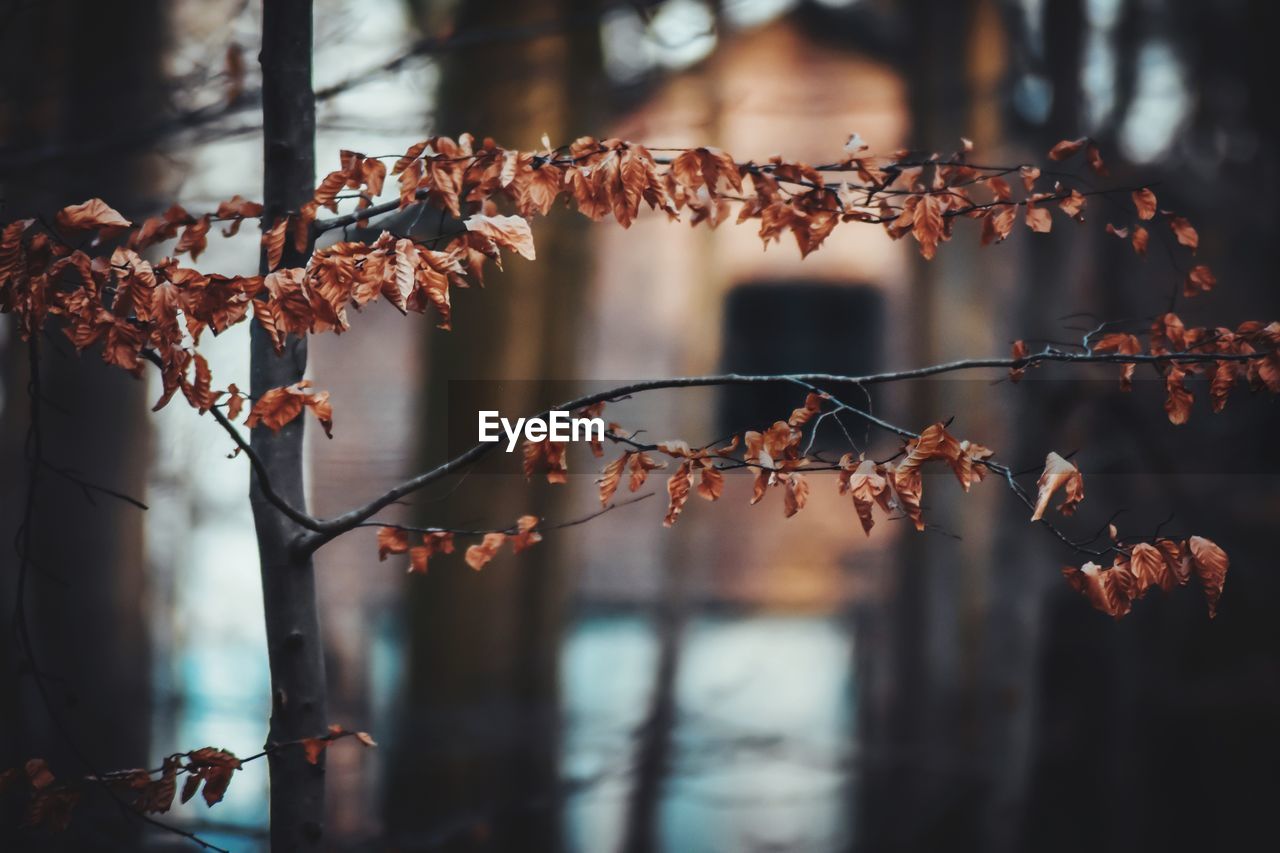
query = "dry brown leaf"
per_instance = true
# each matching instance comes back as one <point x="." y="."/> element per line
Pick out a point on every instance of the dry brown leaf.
<point x="478" y="556"/>
<point x="1211" y="564"/>
<point x="1144" y="201"/>
<point x="510" y="232"/>
<point x="1058" y="474"/>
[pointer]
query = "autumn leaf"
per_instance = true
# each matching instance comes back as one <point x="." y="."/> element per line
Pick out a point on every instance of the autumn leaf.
<point x="195" y="238"/>
<point x="525" y="536"/>
<point x="235" y="402"/>
<point x="1029" y="175"/>
<point x="1176" y="558"/>
<point x="1178" y="401"/>
<point x="273" y="242"/>
<point x="926" y="227"/>
<point x="678" y="492"/>
<point x="392" y="540"/>
<point x="1038" y="218"/>
<point x="1140" y="240"/>
<point x="862" y="480"/>
<point x="237" y="209"/>
<point x="548" y="456"/>
<point x="596" y="410"/>
<point x="1073" y="205"/>
<point x="1093" y="156"/>
<point x="998" y="224"/>
<point x="1144" y="201"/>
<point x="1148" y="567"/>
<point x="1067" y="148"/>
<point x="1185" y="233"/>
<point x="1109" y="590"/>
<point x="51" y="808"/>
<point x="969" y="464"/>
<point x="797" y="494"/>
<point x="812" y="407"/>
<point x="156" y="796"/>
<point x="93" y="213"/>
<point x="38" y="773"/>
<point x="279" y="406"/>
<point x="535" y="186"/>
<point x="1058" y="474"/>
<point x="640" y="465"/>
<point x="1224" y="377"/>
<point x="212" y="766"/>
<point x="905" y="493"/>
<point x="510" y="232"/>
<point x="314" y="747"/>
<point x="710" y="483"/>
<point x="478" y="556"/>
<point x="1125" y="344"/>
<point x="611" y="477"/>
<point x="433" y="543"/>
<point x="1211" y="565"/>
<point x="1200" y="280"/>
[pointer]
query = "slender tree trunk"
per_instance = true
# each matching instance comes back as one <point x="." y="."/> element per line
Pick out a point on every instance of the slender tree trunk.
<point x="479" y="729"/>
<point x="1018" y="627"/>
<point x="288" y="579"/>
<point x="654" y="740"/>
<point x="912" y="725"/>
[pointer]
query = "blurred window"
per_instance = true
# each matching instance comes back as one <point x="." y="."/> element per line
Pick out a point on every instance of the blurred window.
<point x="797" y="326"/>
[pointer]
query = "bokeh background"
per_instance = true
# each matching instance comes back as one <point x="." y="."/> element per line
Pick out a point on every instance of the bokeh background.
<point x="740" y="682"/>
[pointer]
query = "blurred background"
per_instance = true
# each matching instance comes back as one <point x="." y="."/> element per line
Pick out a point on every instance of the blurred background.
<point x="740" y="682"/>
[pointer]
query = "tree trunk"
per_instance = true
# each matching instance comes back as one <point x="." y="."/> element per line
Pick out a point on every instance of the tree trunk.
<point x="288" y="581"/>
<point x="478" y="739"/>
<point x="88" y="590"/>
<point x="1017" y="627"/>
<point x="913" y="725"/>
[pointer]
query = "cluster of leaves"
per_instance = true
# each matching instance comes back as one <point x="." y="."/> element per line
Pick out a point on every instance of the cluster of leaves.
<point x="1250" y="355"/>
<point x="522" y="535"/>
<point x="50" y="803"/>
<point x="208" y="771"/>
<point x="1147" y="565"/>
<point x="775" y="458"/>
<point x="86" y="267"/>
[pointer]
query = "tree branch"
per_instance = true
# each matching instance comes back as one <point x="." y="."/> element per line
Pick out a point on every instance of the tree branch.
<point x="327" y="529"/>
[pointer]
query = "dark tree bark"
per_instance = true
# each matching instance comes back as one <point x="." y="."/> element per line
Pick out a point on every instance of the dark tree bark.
<point x="294" y="644"/>
<point x="1017" y="629"/>
<point x="914" y="723"/>
<point x="478" y="734"/>
<point x="86" y="596"/>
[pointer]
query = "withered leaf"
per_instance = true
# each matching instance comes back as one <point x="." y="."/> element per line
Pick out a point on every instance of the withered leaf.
<point x="1144" y="201"/>
<point x="1211" y="565"/>
<point x="94" y="213"/>
<point x="526" y="536"/>
<point x="510" y="232"/>
<point x="1058" y="474"/>
<point x="1200" y="280"/>
<point x="1109" y="590"/>
<point x="478" y="556"/>
<point x="1185" y="233"/>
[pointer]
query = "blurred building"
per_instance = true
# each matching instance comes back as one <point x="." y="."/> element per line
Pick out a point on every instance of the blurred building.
<point x="669" y="300"/>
